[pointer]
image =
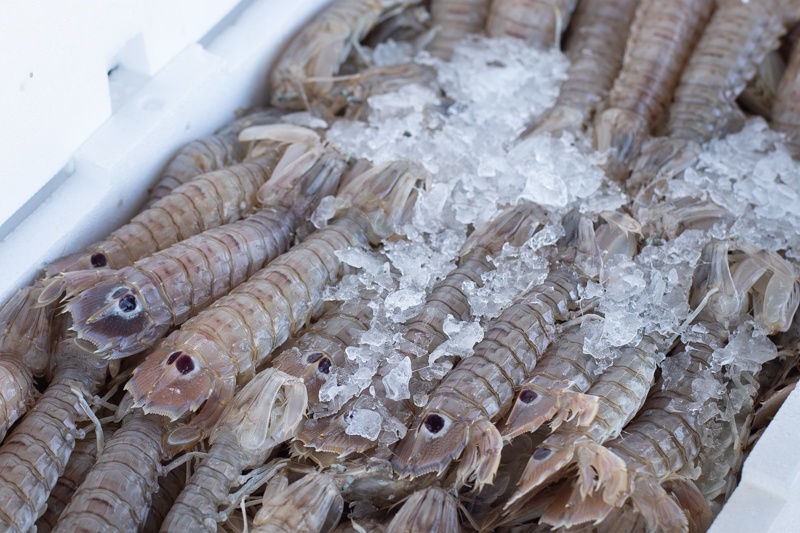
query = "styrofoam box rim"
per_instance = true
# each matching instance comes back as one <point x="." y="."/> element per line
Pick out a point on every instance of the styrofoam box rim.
<point x="196" y="92"/>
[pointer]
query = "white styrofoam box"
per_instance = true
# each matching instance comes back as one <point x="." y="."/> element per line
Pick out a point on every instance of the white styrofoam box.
<point x="105" y="177"/>
<point x="66" y="68"/>
<point x="765" y="500"/>
<point x="80" y="146"/>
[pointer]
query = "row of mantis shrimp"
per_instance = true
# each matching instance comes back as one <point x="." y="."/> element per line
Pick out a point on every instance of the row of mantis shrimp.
<point x="205" y="320"/>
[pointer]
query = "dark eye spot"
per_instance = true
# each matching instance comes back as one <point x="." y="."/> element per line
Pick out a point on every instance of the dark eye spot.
<point x="119" y="292"/>
<point x="98" y="260"/>
<point x="313" y="357"/>
<point x="527" y="396"/>
<point x="172" y="357"/>
<point x="184" y="364"/>
<point x="541" y="453"/>
<point x="324" y="366"/>
<point x="434" y="423"/>
<point x="127" y="303"/>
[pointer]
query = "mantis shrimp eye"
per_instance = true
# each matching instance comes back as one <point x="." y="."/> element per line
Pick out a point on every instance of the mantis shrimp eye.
<point x="184" y="364"/>
<point x="434" y="423"/>
<point x="127" y="303"/>
<point x="98" y="260"/>
<point x="527" y="396"/>
<point x="324" y="366"/>
<point x="172" y="357"/>
<point x="541" y="453"/>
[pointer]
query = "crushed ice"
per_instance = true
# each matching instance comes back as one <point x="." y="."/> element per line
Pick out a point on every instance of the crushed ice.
<point x="463" y="129"/>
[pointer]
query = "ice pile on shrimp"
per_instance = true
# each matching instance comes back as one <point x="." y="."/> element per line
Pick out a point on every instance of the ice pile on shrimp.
<point x="445" y="282"/>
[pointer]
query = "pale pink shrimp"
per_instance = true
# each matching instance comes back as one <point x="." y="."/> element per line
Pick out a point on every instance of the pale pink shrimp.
<point x="36" y="452"/>
<point x="265" y="413"/>
<point x="80" y="464"/>
<point x="312" y="504"/>
<point x="206" y="202"/>
<point x="116" y="494"/>
<point x="210" y="153"/>
<point x="460" y="411"/>
<point x="307" y="66"/>
<point x="119" y="313"/>
<point x="203" y="361"/>
<point x="679" y="443"/>
<point x="26" y="331"/>
<point x="313" y="353"/>
<point x="595" y="46"/>
<point x="661" y="38"/>
<point x="555" y="392"/>
<point x="786" y="111"/>
<point x="453" y="20"/>
<point x="538" y="22"/>
<point x="432" y="509"/>
<point x="736" y="40"/>
<point x="426" y="330"/>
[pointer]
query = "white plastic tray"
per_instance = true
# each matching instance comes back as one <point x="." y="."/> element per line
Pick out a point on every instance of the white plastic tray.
<point x="96" y="100"/>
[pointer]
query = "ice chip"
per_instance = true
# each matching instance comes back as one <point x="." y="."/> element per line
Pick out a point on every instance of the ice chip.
<point x="364" y="423"/>
<point x="748" y="348"/>
<point x="396" y="381"/>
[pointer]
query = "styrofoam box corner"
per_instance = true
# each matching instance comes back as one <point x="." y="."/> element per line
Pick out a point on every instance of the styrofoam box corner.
<point x="97" y="99"/>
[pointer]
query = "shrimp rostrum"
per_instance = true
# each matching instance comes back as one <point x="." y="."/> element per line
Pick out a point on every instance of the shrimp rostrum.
<point x="224" y="343"/>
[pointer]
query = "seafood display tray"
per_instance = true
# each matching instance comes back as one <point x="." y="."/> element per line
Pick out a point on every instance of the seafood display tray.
<point x="83" y="145"/>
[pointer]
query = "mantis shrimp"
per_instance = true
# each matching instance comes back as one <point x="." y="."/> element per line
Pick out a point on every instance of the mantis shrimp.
<point x="537" y="22"/>
<point x="312" y="504"/>
<point x="119" y="313"/>
<point x="116" y="493"/>
<point x="663" y="442"/>
<point x="209" y="153"/>
<point x="454" y="20"/>
<point x="595" y="47"/>
<point x="308" y="65"/>
<point x="661" y="39"/>
<point x="206" y="202"/>
<point x="36" y="453"/>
